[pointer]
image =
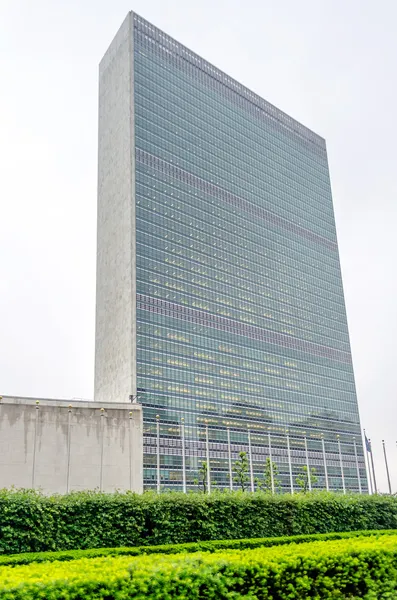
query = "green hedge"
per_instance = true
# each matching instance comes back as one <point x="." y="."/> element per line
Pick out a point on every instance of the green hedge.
<point x="30" y="522"/>
<point x="211" y="546"/>
<point x="352" y="568"/>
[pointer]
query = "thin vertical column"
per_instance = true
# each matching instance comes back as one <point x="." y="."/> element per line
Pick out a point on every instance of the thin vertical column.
<point x="130" y="445"/>
<point x="69" y="444"/>
<point x="309" y="478"/>
<point x="373" y="468"/>
<point x="102" y="447"/>
<point x="291" y="480"/>
<point x="325" y="463"/>
<point x="36" y="424"/>
<point x="341" y="465"/>
<point x="360" y="491"/>
<point x="271" y="462"/>
<point x="368" y="464"/>
<point x="208" y="459"/>
<point x="229" y="452"/>
<point x="183" y="455"/>
<point x="158" y="451"/>
<point x="250" y="458"/>
<point x="387" y="466"/>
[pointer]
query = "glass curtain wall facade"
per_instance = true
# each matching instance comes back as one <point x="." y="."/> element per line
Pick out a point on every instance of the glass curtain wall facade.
<point x="241" y="320"/>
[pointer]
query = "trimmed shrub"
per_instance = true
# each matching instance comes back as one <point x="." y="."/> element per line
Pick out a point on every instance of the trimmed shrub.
<point x="31" y="522"/>
<point x="211" y="546"/>
<point x="352" y="568"/>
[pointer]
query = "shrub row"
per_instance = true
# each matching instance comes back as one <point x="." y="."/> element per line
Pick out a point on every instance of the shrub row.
<point x="211" y="546"/>
<point x="31" y="522"/>
<point x="353" y="568"/>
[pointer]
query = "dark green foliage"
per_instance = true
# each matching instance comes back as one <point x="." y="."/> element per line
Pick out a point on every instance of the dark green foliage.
<point x="30" y="522"/>
<point x="210" y="546"/>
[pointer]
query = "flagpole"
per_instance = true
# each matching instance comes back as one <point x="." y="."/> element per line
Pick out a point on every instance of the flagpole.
<point x="373" y="469"/>
<point x="250" y="457"/>
<point x="290" y="464"/>
<point x="309" y="479"/>
<point x="158" y="451"/>
<point x="368" y="464"/>
<point x="325" y="463"/>
<point x="357" y="466"/>
<point x="208" y="458"/>
<point x="387" y="466"/>
<point x="271" y="462"/>
<point x="183" y="455"/>
<point x="229" y="451"/>
<point x="341" y="465"/>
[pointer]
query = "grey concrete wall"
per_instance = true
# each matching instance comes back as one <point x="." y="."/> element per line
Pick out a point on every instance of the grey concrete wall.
<point x="60" y="446"/>
<point x="115" y="344"/>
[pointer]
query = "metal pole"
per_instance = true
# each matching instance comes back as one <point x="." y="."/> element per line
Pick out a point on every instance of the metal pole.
<point x="35" y="443"/>
<point x="291" y="480"/>
<point x="357" y="466"/>
<point x="271" y="462"/>
<point x="69" y="444"/>
<point x="208" y="459"/>
<point x="158" y="451"/>
<point x="183" y="455"/>
<point x="309" y="478"/>
<point x="341" y="465"/>
<point x="102" y="444"/>
<point x="325" y="464"/>
<point x="229" y="450"/>
<point x="250" y="457"/>
<point x="368" y="465"/>
<point x="373" y="470"/>
<point x="130" y="448"/>
<point x="387" y="466"/>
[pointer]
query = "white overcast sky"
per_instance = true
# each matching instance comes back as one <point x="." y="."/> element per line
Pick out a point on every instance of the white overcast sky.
<point x="331" y="64"/>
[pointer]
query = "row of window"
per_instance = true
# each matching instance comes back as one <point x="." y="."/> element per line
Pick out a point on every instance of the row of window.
<point x="157" y="179"/>
<point x="177" y="245"/>
<point x="228" y="282"/>
<point x="156" y="361"/>
<point x="246" y="208"/>
<point x="147" y="34"/>
<point x="185" y="292"/>
<point x="220" y="170"/>
<point x="223" y="323"/>
<point x="313" y="426"/>
<point x="150" y="222"/>
<point x="208" y="339"/>
<point x="205" y="133"/>
<point x="185" y="268"/>
<point x="254" y="406"/>
<point x="232" y="362"/>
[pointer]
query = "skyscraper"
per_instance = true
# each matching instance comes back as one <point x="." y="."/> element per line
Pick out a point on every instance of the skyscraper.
<point x="219" y="289"/>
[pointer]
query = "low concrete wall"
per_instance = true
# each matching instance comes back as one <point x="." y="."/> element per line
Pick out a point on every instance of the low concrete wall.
<point x="60" y="446"/>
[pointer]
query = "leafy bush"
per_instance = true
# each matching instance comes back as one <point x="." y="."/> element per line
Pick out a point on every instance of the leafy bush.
<point x="211" y="546"/>
<point x="352" y="568"/>
<point x="31" y="522"/>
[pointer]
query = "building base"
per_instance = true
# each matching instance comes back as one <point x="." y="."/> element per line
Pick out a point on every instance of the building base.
<point x="58" y="446"/>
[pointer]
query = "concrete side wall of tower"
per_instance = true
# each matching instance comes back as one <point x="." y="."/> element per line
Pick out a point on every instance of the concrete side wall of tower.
<point x="59" y="447"/>
<point x="116" y="291"/>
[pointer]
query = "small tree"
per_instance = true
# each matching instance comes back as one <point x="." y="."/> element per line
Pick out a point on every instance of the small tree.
<point x="266" y="483"/>
<point x="203" y="474"/>
<point x="240" y="469"/>
<point x="302" y="481"/>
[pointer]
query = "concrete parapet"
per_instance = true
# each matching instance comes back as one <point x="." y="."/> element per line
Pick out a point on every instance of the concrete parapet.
<point x="60" y="446"/>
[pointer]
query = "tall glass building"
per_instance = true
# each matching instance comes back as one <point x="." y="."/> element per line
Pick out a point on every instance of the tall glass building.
<point x="219" y="289"/>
